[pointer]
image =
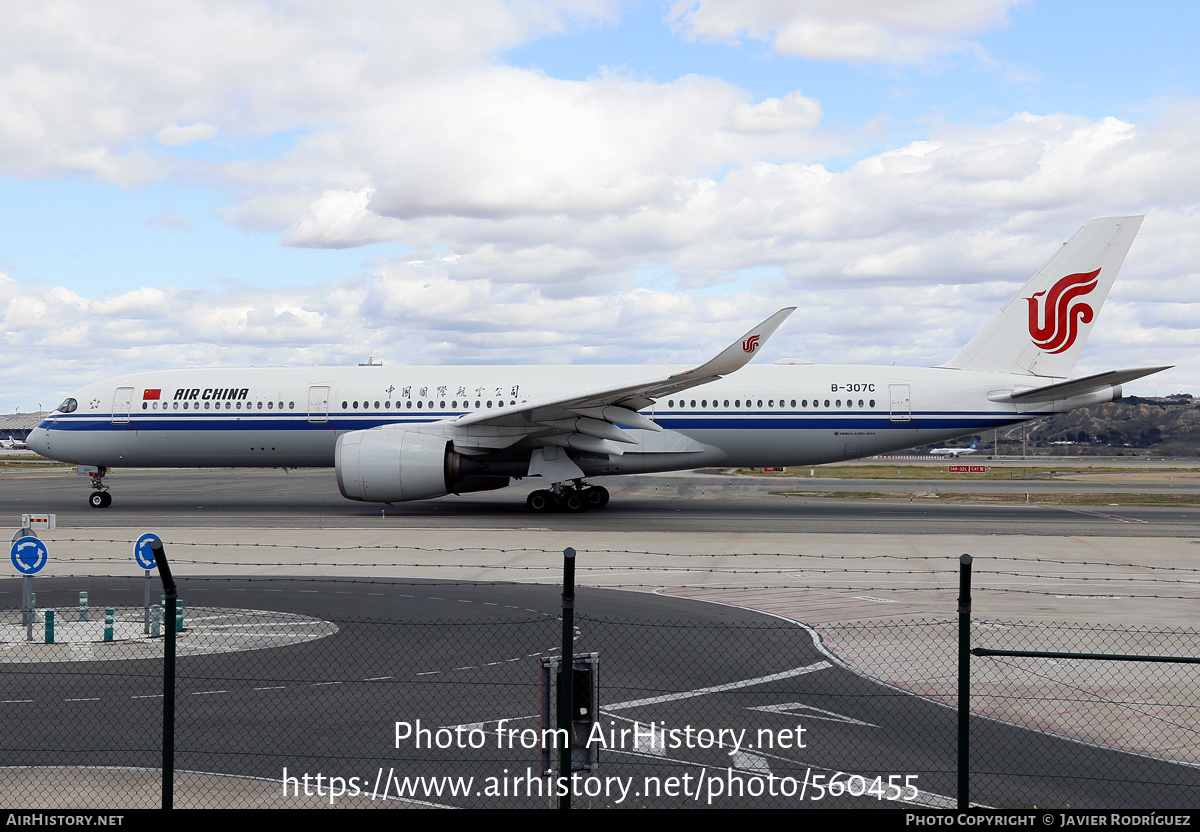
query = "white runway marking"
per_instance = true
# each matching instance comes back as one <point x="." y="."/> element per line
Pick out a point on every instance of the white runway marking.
<point x="673" y="697"/>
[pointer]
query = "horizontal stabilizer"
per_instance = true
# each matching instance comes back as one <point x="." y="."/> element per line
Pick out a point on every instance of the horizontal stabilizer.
<point x="1076" y="387"/>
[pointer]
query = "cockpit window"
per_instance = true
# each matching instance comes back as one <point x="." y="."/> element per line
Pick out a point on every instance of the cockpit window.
<point x="68" y="406"/>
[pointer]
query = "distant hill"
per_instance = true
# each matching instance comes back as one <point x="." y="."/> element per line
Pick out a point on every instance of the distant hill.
<point x="1135" y="426"/>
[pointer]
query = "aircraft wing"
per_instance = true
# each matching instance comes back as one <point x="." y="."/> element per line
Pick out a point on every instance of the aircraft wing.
<point x="1077" y="387"/>
<point x="590" y="420"/>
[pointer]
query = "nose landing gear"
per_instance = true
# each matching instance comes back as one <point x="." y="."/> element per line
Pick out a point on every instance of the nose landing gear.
<point x="99" y="498"/>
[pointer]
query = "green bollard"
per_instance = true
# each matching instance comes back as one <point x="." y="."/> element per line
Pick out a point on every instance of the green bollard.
<point x="155" y="618"/>
<point x="178" y="615"/>
<point x="108" y="625"/>
<point x="83" y="611"/>
<point x="49" y="626"/>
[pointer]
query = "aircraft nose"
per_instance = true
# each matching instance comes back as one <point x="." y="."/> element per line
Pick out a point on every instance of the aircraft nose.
<point x="39" y="440"/>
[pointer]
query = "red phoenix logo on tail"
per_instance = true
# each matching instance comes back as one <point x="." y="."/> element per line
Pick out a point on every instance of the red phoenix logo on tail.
<point x="750" y="344"/>
<point x="1055" y="325"/>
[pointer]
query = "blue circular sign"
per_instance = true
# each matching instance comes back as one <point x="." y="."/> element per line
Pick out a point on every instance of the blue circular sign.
<point x="142" y="552"/>
<point x="29" y="555"/>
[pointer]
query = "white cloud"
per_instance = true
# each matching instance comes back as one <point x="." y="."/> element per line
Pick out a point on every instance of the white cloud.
<point x="173" y="135"/>
<point x="500" y="144"/>
<point x="850" y="30"/>
<point x="341" y="219"/>
<point x="81" y="83"/>
<point x="792" y="112"/>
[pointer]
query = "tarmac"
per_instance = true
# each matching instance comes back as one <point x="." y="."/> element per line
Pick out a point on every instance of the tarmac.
<point x="838" y="584"/>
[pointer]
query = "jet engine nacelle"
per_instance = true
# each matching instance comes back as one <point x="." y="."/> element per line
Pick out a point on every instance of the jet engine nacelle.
<point x="392" y="466"/>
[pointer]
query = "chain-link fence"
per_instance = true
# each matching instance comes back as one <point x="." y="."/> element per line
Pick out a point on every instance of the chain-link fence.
<point x="1133" y="723"/>
<point x="731" y="709"/>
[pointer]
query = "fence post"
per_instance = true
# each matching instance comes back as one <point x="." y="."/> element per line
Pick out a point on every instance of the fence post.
<point x="964" y="682"/>
<point x="170" y="596"/>
<point x="566" y="671"/>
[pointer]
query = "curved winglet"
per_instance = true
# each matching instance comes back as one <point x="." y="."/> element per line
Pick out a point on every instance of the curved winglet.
<point x="739" y="353"/>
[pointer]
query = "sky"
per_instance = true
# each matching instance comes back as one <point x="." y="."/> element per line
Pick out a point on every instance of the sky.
<point x="291" y="183"/>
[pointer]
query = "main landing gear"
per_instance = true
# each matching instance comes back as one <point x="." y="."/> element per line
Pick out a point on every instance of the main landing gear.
<point x="99" y="498"/>
<point x="576" y="497"/>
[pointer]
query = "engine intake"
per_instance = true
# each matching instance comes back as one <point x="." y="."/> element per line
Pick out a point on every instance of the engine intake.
<point x="392" y="466"/>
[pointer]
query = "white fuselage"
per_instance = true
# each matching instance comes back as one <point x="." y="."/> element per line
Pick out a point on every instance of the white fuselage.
<point x="775" y="414"/>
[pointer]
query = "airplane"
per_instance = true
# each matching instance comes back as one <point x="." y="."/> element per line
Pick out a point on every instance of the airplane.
<point x="12" y="444"/>
<point x="396" y="434"/>
<point x="955" y="453"/>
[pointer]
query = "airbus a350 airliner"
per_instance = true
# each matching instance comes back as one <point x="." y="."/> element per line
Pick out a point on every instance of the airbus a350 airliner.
<point x="411" y="433"/>
<point x="955" y="453"/>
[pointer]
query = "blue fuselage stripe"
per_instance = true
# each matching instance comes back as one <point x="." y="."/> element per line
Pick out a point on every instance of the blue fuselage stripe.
<point x="684" y="421"/>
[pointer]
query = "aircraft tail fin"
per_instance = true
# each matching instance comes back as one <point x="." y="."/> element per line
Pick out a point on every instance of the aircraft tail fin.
<point x="1042" y="329"/>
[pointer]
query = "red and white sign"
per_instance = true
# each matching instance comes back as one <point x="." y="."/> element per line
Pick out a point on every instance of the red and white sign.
<point x="968" y="469"/>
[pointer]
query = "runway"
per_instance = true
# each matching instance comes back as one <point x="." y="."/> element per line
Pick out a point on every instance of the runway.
<point x="683" y="503"/>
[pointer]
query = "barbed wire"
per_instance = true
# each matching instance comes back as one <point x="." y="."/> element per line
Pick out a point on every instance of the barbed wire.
<point x="609" y="551"/>
<point x="732" y="587"/>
